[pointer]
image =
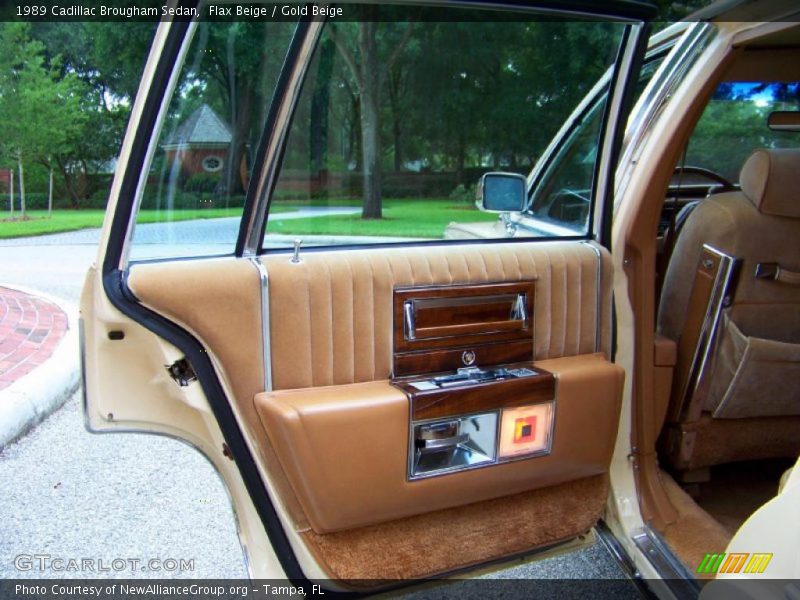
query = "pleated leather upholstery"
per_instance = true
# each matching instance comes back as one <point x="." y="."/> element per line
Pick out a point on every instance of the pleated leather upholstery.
<point x="331" y="313"/>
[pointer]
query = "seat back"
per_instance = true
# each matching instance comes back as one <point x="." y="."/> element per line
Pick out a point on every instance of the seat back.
<point x="738" y="346"/>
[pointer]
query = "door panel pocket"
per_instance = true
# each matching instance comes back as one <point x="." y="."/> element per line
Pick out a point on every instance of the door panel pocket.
<point x="754" y="377"/>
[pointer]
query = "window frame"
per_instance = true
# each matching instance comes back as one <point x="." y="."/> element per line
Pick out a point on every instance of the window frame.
<point x="621" y="77"/>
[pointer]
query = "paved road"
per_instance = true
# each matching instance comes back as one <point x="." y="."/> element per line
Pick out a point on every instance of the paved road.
<point x="73" y="495"/>
<point x="56" y="264"/>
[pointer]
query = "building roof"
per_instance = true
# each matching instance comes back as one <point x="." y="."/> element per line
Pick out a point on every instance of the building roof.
<point x="202" y="127"/>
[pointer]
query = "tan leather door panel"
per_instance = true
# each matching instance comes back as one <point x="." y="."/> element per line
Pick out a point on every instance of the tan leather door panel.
<point x="332" y="435"/>
<point x="343" y="447"/>
<point x="332" y="312"/>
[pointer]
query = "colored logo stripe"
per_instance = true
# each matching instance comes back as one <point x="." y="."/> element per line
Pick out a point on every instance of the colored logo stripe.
<point x="758" y="563"/>
<point x="713" y="563"/>
<point x="710" y="563"/>
<point x="734" y="562"/>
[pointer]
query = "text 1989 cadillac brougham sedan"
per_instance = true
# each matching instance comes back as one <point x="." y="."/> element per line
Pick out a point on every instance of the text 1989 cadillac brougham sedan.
<point x="396" y="386"/>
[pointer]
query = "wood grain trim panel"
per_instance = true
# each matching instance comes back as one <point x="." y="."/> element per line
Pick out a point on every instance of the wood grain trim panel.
<point x="433" y="404"/>
<point x="410" y="363"/>
<point x="465" y="323"/>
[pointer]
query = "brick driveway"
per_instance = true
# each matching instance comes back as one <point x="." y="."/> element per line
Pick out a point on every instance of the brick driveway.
<point x="30" y="329"/>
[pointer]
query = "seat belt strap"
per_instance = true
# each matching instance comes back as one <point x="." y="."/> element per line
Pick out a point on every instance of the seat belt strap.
<point x="773" y="271"/>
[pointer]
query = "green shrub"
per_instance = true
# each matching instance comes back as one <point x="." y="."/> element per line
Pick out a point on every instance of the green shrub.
<point x="203" y="183"/>
<point x="464" y="193"/>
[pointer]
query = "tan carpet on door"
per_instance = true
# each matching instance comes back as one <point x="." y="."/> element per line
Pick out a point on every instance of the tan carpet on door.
<point x="455" y="538"/>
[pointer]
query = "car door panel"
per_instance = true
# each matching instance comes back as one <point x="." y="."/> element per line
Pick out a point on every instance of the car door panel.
<point x="343" y="447"/>
<point x="335" y="324"/>
<point x="332" y="434"/>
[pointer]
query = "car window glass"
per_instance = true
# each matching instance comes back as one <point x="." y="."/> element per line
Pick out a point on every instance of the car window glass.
<point x="734" y="124"/>
<point x="398" y="120"/>
<point x="194" y="193"/>
<point x="563" y="194"/>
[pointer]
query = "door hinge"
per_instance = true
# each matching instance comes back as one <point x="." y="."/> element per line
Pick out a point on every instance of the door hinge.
<point x="182" y="372"/>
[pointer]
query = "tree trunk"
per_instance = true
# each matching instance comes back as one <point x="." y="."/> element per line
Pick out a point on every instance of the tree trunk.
<point x="461" y="160"/>
<point x="50" y="195"/>
<point x="11" y="191"/>
<point x="320" y="101"/>
<point x="241" y="93"/>
<point x="238" y="147"/>
<point x="396" y="129"/>
<point x="370" y="123"/>
<point x="354" y="151"/>
<point x="69" y="184"/>
<point x="21" y="187"/>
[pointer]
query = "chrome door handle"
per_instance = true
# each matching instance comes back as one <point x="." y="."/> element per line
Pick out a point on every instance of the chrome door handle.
<point x="410" y="321"/>
<point x="442" y="443"/>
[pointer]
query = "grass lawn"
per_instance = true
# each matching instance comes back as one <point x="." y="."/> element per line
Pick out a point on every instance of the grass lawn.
<point x="309" y="202"/>
<point x="401" y="218"/>
<point x="72" y="220"/>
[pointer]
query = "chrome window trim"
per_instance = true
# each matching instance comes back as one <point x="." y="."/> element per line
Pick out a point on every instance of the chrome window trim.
<point x="599" y="299"/>
<point x="695" y="388"/>
<point x="656" y="96"/>
<point x="133" y="124"/>
<point x="266" y="344"/>
<point x="606" y="172"/>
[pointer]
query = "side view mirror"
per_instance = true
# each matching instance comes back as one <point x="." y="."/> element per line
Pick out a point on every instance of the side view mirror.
<point x="784" y="120"/>
<point x="502" y="192"/>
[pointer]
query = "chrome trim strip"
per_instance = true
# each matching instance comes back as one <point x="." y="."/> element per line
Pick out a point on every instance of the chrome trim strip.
<point x="656" y="95"/>
<point x="599" y="300"/>
<point x="676" y="576"/>
<point x="266" y="345"/>
<point x="694" y="388"/>
<point x="410" y="322"/>
<point x="256" y="220"/>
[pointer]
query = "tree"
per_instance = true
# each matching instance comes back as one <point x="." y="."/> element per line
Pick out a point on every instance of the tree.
<point x="40" y="110"/>
<point x="362" y="50"/>
<point x="108" y="61"/>
<point x="233" y="67"/>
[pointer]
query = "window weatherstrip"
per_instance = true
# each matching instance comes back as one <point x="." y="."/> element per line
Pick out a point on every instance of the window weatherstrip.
<point x="624" y="79"/>
<point x="172" y="41"/>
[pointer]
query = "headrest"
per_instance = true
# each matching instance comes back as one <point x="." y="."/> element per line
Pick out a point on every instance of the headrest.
<point x="771" y="181"/>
